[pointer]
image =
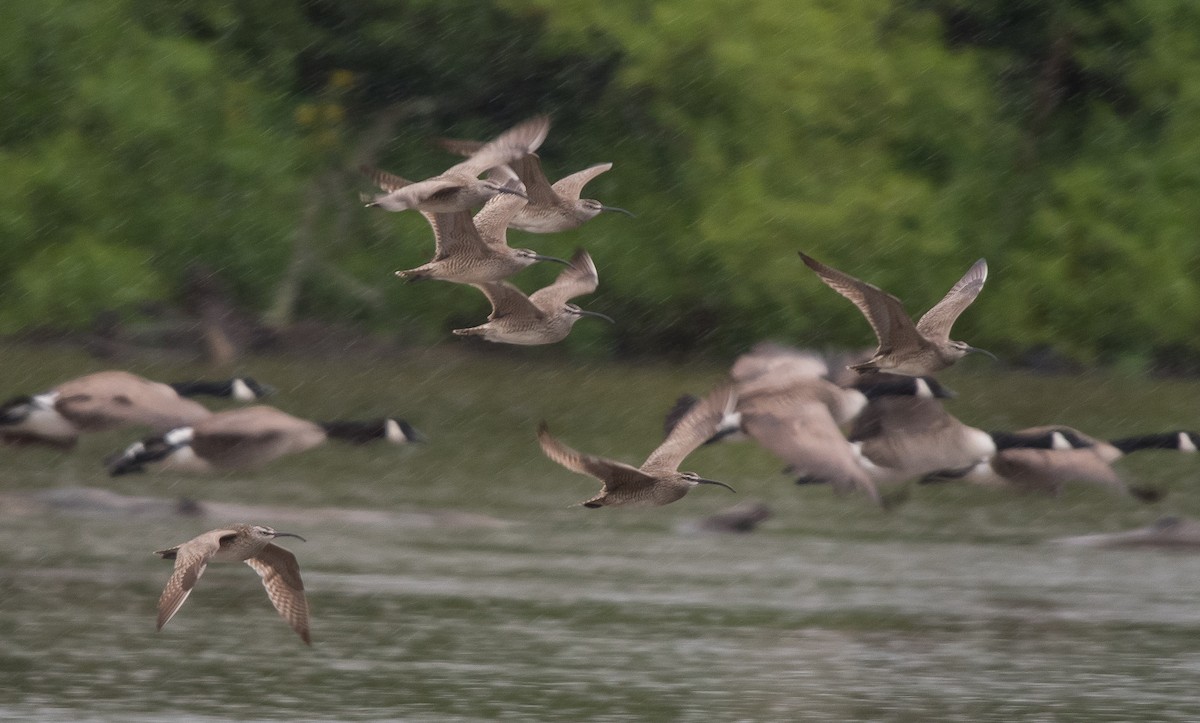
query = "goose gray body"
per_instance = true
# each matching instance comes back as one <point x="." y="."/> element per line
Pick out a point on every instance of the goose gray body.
<point x="657" y="481"/>
<point x="475" y="250"/>
<point x="95" y="403"/>
<point x="245" y="438"/>
<point x="1089" y="461"/>
<point x="899" y="438"/>
<point x="543" y="317"/>
<point x="459" y="188"/>
<point x="784" y="402"/>
<point x="251" y="544"/>
<point x="552" y="207"/>
<point x="906" y="348"/>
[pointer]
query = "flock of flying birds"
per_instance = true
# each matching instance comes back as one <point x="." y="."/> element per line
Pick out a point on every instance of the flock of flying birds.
<point x="864" y="428"/>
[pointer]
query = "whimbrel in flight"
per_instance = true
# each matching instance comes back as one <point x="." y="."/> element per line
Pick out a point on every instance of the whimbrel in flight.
<point x="251" y="544"/>
<point x="1049" y="469"/>
<point x="110" y="400"/>
<point x="544" y="317"/>
<point x="459" y="188"/>
<point x="551" y="208"/>
<point x="476" y="251"/>
<point x="248" y="437"/>
<point x="905" y="348"/>
<point x="657" y="481"/>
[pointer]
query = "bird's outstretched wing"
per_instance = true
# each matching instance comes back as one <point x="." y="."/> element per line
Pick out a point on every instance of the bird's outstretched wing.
<point x="280" y="575"/>
<point x="936" y="322"/>
<point x="693" y="429"/>
<point x="884" y="311"/>
<point x="191" y="559"/>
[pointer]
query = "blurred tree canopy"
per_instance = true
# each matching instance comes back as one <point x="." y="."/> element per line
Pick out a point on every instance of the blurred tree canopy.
<point x="898" y="140"/>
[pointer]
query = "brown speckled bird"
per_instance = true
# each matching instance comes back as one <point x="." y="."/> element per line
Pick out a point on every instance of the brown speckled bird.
<point x="907" y="348"/>
<point x="459" y="188"/>
<point x="252" y="545"/>
<point x="657" y="481"/>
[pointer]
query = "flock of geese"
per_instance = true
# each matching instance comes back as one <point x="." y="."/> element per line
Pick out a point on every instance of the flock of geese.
<point x="866" y="428"/>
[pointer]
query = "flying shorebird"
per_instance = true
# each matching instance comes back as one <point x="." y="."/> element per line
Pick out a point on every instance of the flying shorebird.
<point x="476" y="251"/>
<point x="248" y="437"/>
<point x="459" y="187"/>
<point x="905" y="348"/>
<point x="110" y="400"/>
<point x="238" y="543"/>
<point x="543" y="317"/>
<point x="657" y="481"/>
<point x="551" y="208"/>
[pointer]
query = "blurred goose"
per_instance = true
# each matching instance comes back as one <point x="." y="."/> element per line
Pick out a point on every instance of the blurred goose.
<point x="551" y="208"/>
<point x="905" y="348"/>
<point x="657" y="481"/>
<point x="783" y="402"/>
<point x="900" y="438"/>
<point x="248" y="437"/>
<point x="543" y="317"/>
<point x="459" y="188"/>
<point x="476" y="251"/>
<point x="1048" y="470"/>
<point x="110" y="400"/>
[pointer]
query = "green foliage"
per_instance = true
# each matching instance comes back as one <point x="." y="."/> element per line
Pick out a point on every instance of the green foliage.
<point x="897" y="139"/>
<point x="69" y="282"/>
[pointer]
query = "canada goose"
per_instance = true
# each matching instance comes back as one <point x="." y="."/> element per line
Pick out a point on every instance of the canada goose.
<point x="899" y="438"/>
<point x="248" y="437"/>
<point x="783" y="402"/>
<point x="109" y="400"/>
<point x="905" y="348"/>
<point x="551" y="208"/>
<point x="459" y="187"/>
<point x="251" y="544"/>
<point x="1047" y="470"/>
<point x="543" y="317"/>
<point x="475" y="251"/>
<point x="657" y="481"/>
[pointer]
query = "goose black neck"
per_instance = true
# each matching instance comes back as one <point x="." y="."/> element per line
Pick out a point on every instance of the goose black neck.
<point x="1166" y="440"/>
<point x="356" y="432"/>
<point x="203" y="388"/>
<point x="1011" y="440"/>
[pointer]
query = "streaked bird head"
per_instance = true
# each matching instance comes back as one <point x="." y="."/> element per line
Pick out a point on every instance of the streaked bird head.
<point x="590" y="208"/>
<point x="529" y="256"/>
<point x="270" y="533"/>
<point x="574" y="310"/>
<point x="959" y="349"/>
<point x="694" y="479"/>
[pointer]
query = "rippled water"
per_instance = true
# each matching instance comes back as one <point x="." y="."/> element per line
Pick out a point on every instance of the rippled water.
<point x="956" y="606"/>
